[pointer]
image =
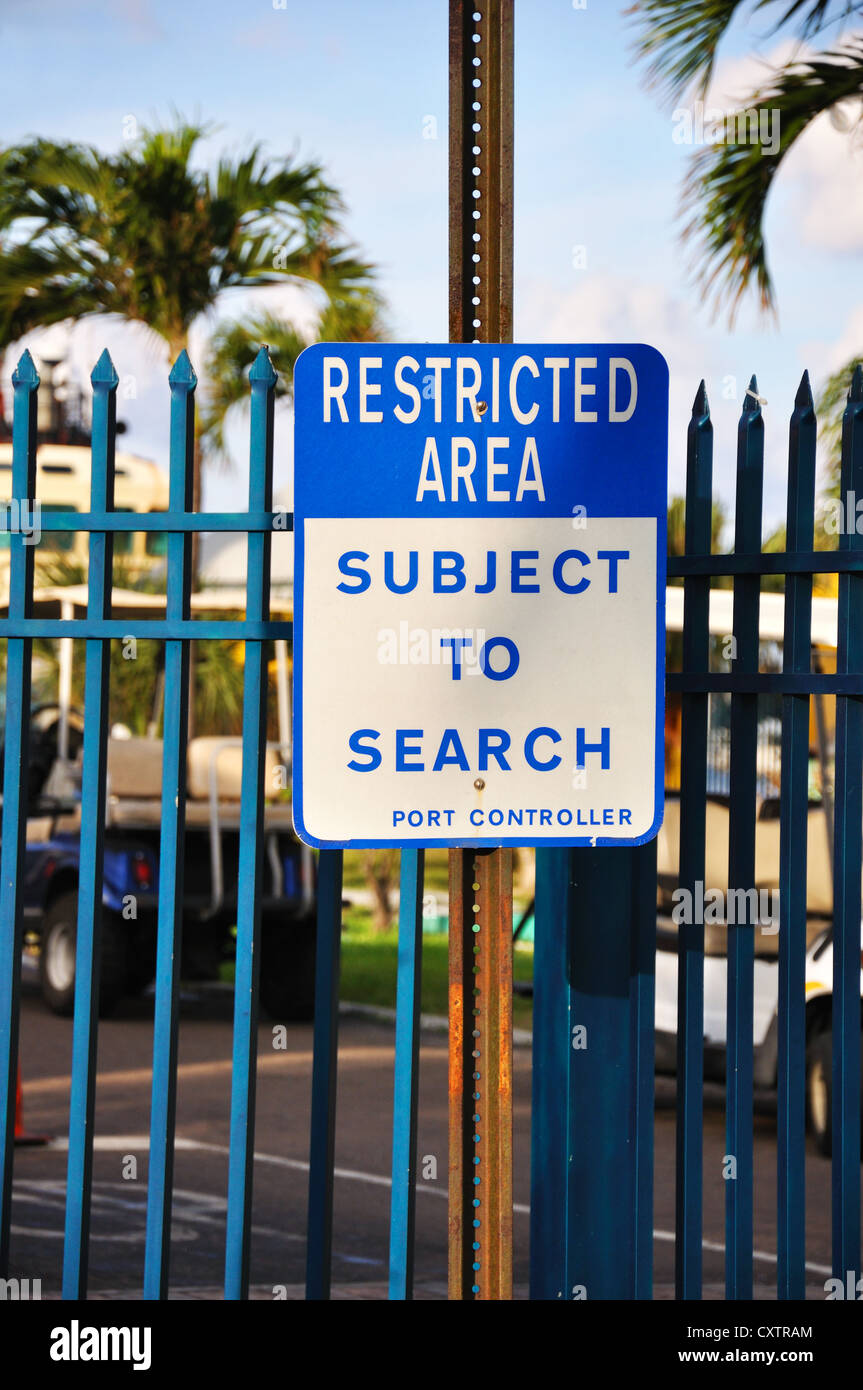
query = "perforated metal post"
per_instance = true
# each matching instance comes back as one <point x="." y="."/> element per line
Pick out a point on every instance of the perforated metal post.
<point x="480" y="961"/>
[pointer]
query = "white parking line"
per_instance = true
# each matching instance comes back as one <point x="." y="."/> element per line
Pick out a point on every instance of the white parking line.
<point x="121" y="1143"/>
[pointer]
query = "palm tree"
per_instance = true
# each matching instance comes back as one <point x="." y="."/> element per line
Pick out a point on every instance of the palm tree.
<point x="727" y="188"/>
<point x="728" y="185"/>
<point x="145" y="236"/>
<point x="354" y="314"/>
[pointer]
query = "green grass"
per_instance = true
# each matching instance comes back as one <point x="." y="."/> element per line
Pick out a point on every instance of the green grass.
<point x="370" y="961"/>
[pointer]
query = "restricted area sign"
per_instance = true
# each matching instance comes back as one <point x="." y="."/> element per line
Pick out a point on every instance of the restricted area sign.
<point x="479" y="594"/>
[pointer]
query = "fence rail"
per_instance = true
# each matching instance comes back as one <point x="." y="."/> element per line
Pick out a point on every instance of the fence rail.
<point x="583" y="1234"/>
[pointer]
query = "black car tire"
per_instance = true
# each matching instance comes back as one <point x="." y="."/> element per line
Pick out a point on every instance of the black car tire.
<point x="57" y="957"/>
<point x="819" y="1090"/>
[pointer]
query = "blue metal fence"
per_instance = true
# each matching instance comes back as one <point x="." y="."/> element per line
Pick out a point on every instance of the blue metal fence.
<point x="592" y="1113"/>
<point x="795" y="684"/>
<point x="177" y="629"/>
<point x="592" y="1154"/>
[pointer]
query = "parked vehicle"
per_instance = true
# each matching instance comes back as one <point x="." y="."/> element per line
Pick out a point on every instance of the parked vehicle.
<point x="819" y="1015"/>
<point x="130" y="877"/>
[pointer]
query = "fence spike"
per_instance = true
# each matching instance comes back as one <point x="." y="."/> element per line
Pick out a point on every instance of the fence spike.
<point x="105" y="373"/>
<point x="752" y="401"/>
<point x="701" y="405"/>
<point x="25" y="374"/>
<point x="856" y="392"/>
<point x="803" y="400"/>
<point x="183" y="373"/>
<point x="262" y="368"/>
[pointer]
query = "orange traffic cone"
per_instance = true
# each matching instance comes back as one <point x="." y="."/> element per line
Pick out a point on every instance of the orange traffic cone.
<point x="21" y="1135"/>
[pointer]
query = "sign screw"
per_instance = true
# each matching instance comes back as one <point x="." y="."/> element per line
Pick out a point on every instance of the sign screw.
<point x="479" y="784"/>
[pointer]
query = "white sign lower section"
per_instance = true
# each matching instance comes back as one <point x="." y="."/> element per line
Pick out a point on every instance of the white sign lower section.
<point x="505" y="694"/>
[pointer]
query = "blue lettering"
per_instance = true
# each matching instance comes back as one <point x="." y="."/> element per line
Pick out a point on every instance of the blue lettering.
<point x="559" y="563"/>
<point x="355" y="743"/>
<point x="485" y="665"/>
<point x="404" y="750"/>
<point x="530" y="756"/>
<point x="495" y="750"/>
<point x="582" y="748"/>
<point x="491" y="575"/>
<point x="362" y="575"/>
<point x="457" y="756"/>
<point x="389" y="576"/>
<point x="456" y="643"/>
<point x="520" y="573"/>
<point x="453" y="572"/>
<point x="612" y="556"/>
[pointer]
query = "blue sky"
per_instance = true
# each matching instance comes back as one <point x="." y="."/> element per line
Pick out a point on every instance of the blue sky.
<point x="353" y="84"/>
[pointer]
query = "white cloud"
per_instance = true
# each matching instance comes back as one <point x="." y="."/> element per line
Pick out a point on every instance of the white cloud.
<point x="607" y="308"/>
<point x="832" y="355"/>
<point x="822" y="175"/>
<point x="826" y="165"/>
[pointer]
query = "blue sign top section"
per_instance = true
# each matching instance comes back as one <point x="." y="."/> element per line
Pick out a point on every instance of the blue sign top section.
<point x="480" y="429"/>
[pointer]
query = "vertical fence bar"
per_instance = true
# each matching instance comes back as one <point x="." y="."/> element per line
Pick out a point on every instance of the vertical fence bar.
<point x="171" y="845"/>
<point x="93" y="793"/>
<point x="461" y="1091"/>
<point x="793" y="832"/>
<point x="252" y="792"/>
<point x="406" y="1079"/>
<point x="741" y="859"/>
<point x="322" y="1138"/>
<point x="847" y="866"/>
<point x="551" y="1098"/>
<point x="693" y="799"/>
<point x="25" y="382"/>
<point x="480" y="309"/>
<point x="593" y="1064"/>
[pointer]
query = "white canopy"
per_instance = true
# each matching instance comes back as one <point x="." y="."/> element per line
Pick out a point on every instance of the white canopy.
<point x="771" y="620"/>
<point x="70" y="600"/>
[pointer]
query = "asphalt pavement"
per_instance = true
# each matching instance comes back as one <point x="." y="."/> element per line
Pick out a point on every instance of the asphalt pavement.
<point x="360" y="1240"/>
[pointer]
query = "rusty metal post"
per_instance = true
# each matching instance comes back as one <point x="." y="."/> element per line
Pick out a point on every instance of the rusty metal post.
<point x="480" y="896"/>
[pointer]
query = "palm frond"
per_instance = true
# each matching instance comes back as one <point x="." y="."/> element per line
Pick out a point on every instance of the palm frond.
<point x="145" y="235"/>
<point x="728" y="185"/>
<point x="356" y="316"/>
<point x="680" y="39"/>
